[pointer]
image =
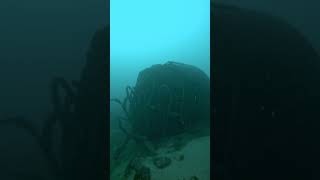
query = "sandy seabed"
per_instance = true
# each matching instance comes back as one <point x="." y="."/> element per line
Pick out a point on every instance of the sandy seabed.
<point x="190" y="162"/>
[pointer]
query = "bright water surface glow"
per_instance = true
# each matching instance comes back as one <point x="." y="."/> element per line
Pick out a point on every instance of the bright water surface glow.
<point x="147" y="32"/>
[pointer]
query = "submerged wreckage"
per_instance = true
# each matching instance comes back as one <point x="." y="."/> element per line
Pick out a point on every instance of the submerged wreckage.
<point x="168" y="100"/>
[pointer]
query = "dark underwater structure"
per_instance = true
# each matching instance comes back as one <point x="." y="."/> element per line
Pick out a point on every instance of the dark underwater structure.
<point x="83" y="115"/>
<point x="265" y="98"/>
<point x="167" y="99"/>
<point x="74" y="139"/>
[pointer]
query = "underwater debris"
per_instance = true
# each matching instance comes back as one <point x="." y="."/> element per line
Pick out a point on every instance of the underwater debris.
<point x="141" y="172"/>
<point x="140" y="140"/>
<point x="162" y="105"/>
<point x="161" y="162"/>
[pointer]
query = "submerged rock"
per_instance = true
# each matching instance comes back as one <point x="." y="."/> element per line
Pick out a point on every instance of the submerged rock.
<point x="161" y="162"/>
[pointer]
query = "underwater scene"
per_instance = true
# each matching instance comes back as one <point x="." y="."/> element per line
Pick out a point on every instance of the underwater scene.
<point x="70" y="79"/>
<point x="266" y="92"/>
<point x="159" y="90"/>
<point x="54" y="88"/>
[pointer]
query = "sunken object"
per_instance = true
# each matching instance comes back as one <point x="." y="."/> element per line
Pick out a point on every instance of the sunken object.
<point x="168" y="99"/>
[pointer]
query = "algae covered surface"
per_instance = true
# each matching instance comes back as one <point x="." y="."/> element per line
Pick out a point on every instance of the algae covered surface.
<point x="162" y="128"/>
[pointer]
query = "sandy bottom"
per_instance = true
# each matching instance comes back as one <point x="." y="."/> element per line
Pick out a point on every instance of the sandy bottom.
<point x="190" y="162"/>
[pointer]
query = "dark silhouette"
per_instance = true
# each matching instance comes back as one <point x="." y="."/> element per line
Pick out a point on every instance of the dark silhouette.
<point x="79" y="124"/>
<point x="265" y="98"/>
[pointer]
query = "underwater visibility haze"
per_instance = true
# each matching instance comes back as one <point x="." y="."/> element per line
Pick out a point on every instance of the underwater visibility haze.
<point x="143" y="33"/>
<point x="44" y="44"/>
<point x="159" y="89"/>
<point x="266" y="92"/>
